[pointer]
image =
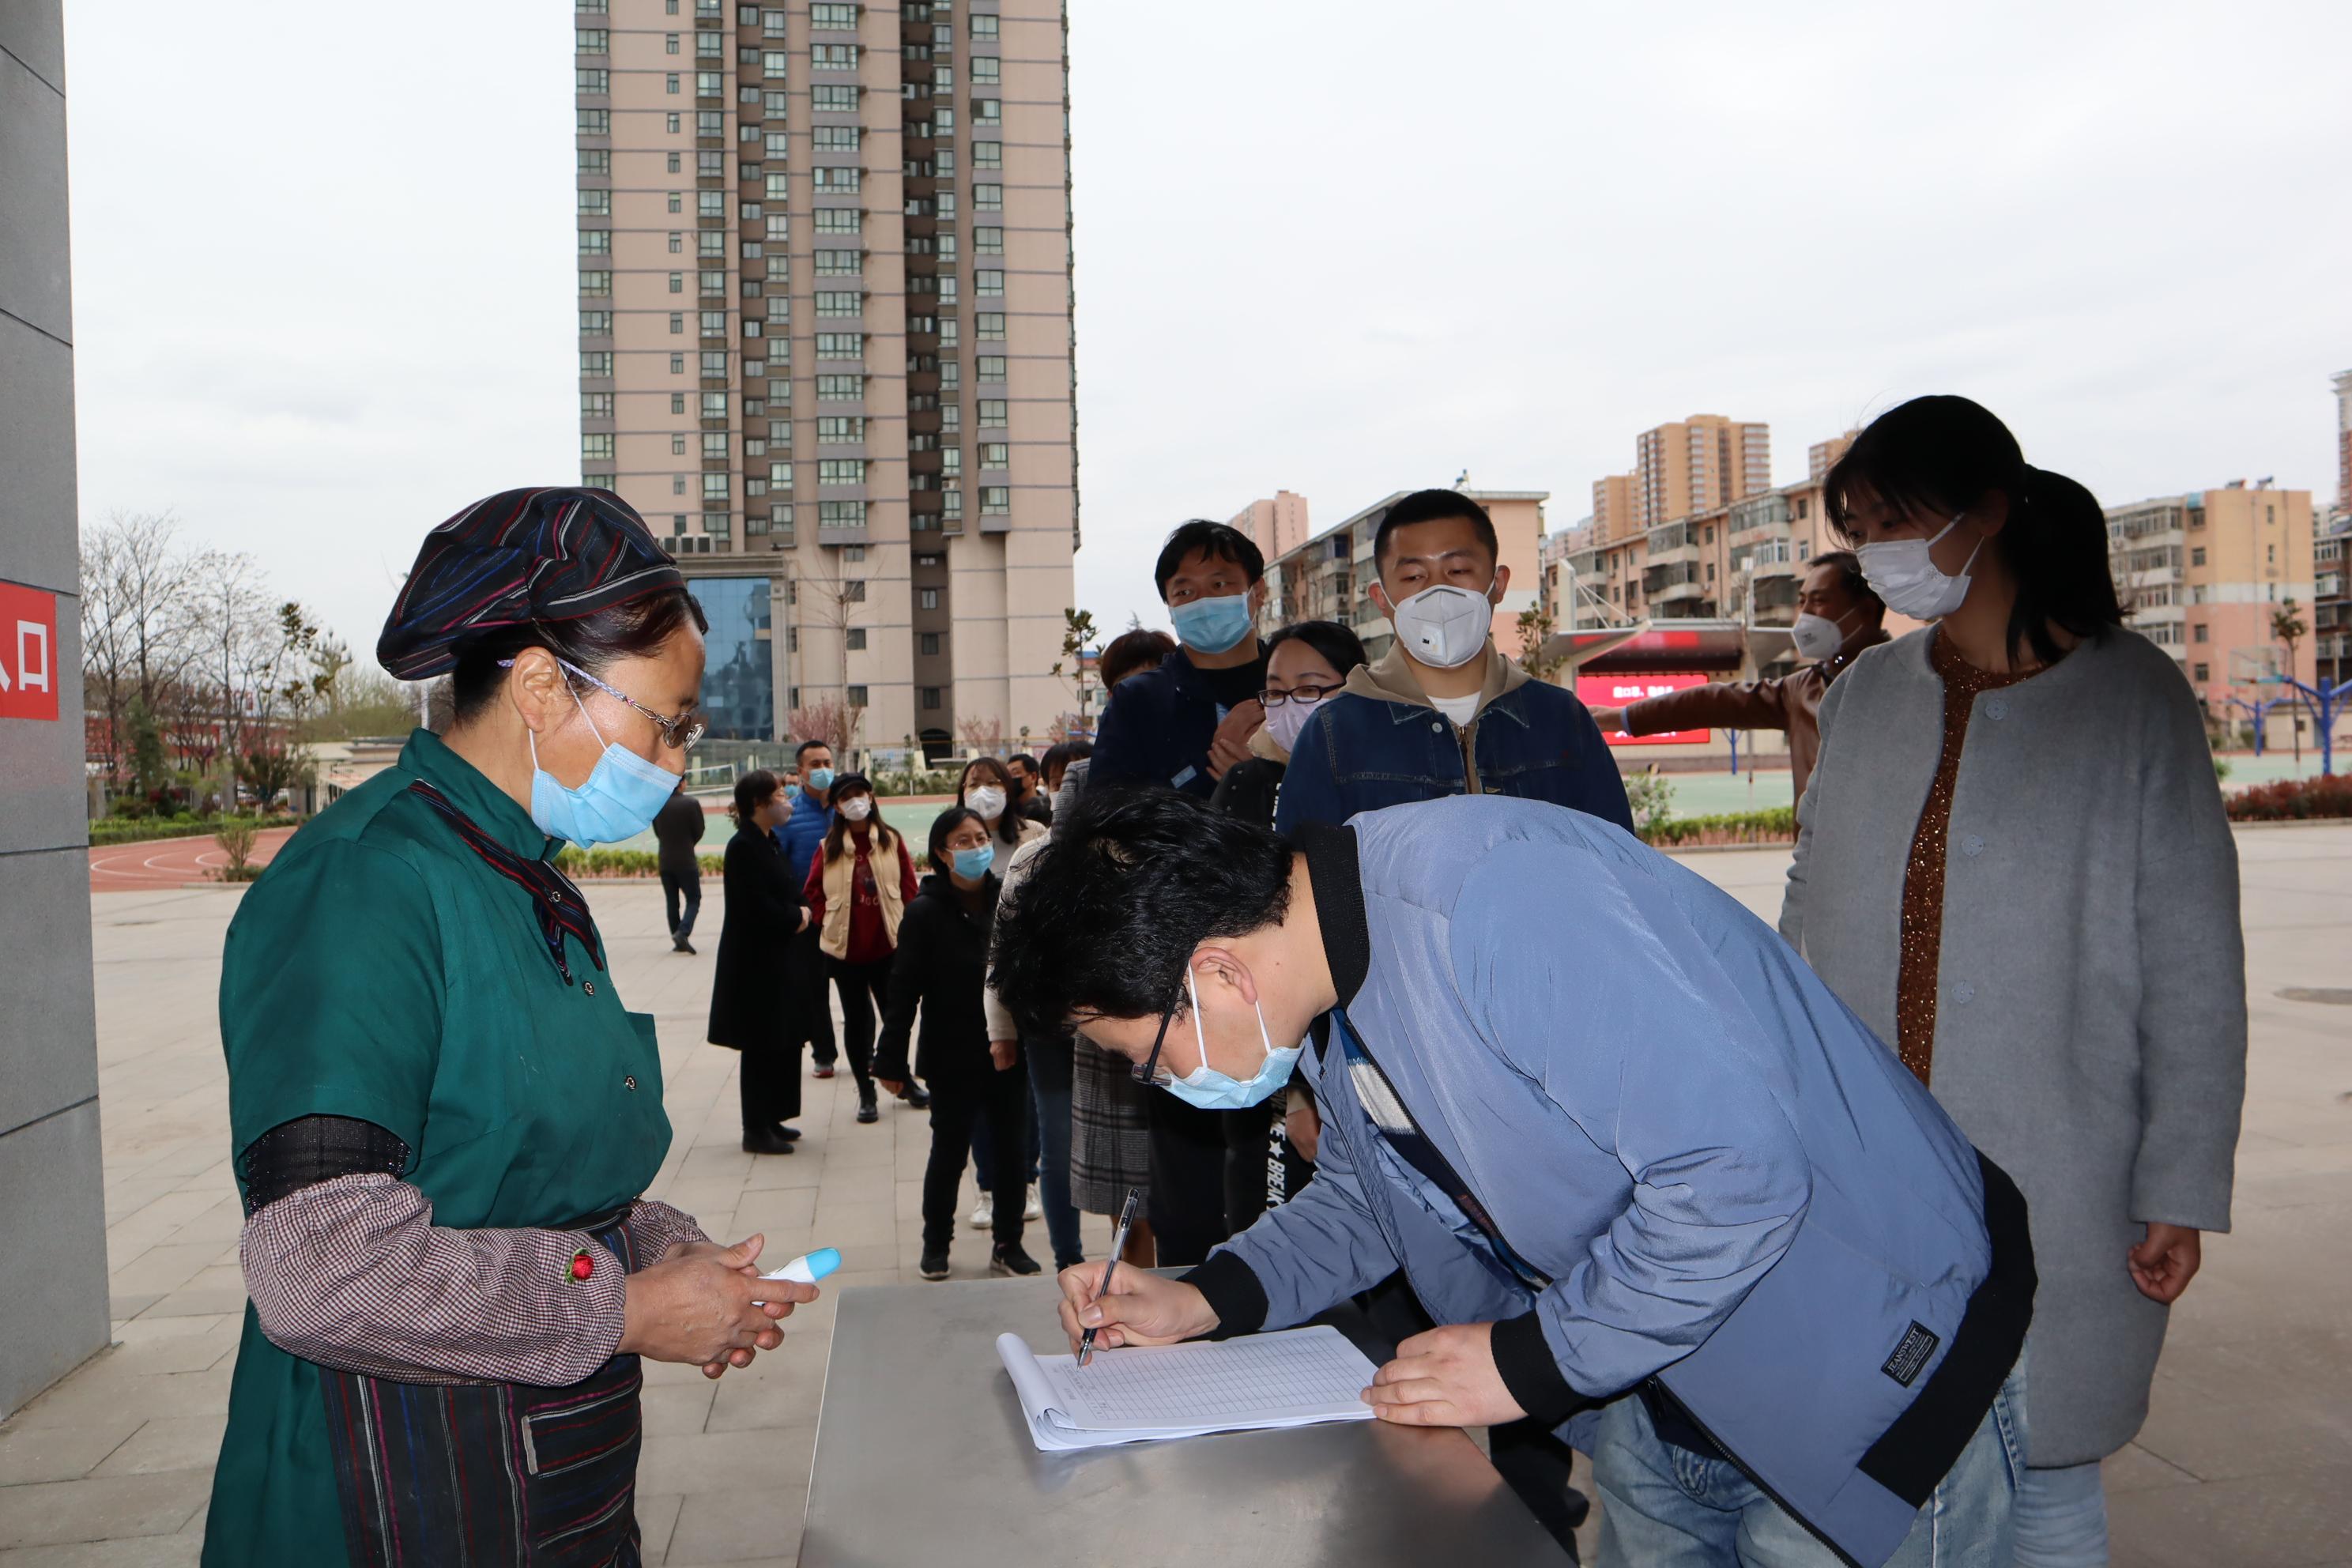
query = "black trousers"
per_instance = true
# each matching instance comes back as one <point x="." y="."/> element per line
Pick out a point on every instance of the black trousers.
<point x="1187" y="1195"/>
<point x="770" y="1086"/>
<point x="862" y="988"/>
<point x="808" y="1014"/>
<point x="957" y="1104"/>
<point x="681" y="887"/>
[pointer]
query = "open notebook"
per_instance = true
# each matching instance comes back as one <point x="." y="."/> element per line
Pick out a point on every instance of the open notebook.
<point x="1299" y="1378"/>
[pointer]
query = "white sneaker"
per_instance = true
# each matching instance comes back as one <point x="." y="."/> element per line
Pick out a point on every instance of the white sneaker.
<point x="1034" y="1208"/>
<point x="982" y="1216"/>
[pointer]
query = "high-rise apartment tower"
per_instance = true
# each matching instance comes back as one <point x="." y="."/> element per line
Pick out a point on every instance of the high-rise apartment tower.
<point x="825" y="346"/>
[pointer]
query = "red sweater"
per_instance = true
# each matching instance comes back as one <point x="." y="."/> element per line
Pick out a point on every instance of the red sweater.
<point x="869" y="942"/>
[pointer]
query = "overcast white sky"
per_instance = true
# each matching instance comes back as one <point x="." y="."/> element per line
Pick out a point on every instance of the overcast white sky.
<point x="322" y="254"/>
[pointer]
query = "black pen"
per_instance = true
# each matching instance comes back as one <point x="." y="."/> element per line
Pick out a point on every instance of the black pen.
<point x="1117" y="1244"/>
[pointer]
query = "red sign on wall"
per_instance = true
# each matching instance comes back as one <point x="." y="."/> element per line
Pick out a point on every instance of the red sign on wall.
<point x="1622" y="690"/>
<point x="28" y="653"/>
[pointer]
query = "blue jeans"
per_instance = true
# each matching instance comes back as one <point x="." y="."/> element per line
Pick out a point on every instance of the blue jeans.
<point x="1049" y="1086"/>
<point x="1664" y="1507"/>
<point x="2062" y="1518"/>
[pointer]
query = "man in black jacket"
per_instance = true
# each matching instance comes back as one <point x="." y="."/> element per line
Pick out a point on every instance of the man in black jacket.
<point x="678" y="828"/>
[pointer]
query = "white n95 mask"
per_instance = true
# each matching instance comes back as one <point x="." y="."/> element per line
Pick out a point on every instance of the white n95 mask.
<point x="1818" y="637"/>
<point x="1445" y="626"/>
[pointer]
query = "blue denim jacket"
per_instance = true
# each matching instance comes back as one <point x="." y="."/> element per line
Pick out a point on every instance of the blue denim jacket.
<point x="1379" y="744"/>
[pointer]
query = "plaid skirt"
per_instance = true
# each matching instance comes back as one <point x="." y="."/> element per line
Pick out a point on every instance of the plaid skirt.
<point x="1110" y="1146"/>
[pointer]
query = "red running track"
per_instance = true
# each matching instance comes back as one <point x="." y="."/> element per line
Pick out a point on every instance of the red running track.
<point x="170" y="862"/>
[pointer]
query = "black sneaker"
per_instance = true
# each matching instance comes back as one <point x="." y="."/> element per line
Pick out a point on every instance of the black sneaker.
<point x="1013" y="1260"/>
<point x="767" y="1141"/>
<point x="823" y="1069"/>
<point x="934" y="1264"/>
<point x="684" y="946"/>
<point x="868" y="1110"/>
<point x="916" y="1095"/>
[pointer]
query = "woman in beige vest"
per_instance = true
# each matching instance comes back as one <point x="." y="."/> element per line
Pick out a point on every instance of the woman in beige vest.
<point x="859" y="886"/>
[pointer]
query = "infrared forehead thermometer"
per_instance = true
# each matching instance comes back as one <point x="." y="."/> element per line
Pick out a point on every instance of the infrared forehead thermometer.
<point x="809" y="1267"/>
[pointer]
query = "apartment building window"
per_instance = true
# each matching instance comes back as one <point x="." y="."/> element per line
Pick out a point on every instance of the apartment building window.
<point x="834" y="18"/>
<point x="595" y="81"/>
<point x="710" y="204"/>
<point x="992" y="412"/>
<point x="842" y="514"/>
<point x="835" y="138"/>
<point x="988" y="283"/>
<point x="840" y="388"/>
<point x="778" y="187"/>
<point x="929" y="643"/>
<point x="714" y="365"/>
<point x="595" y="242"/>
<point x="709" y="123"/>
<point x="678" y="444"/>
<point x="780" y="307"/>
<point x="676" y="243"/>
<point x="596" y="284"/>
<point x="926" y="598"/>
<point x="839" y="429"/>
<point x="987" y="155"/>
<point x="987" y="111"/>
<point x="709" y="84"/>
<point x="983" y="27"/>
<point x="833" y="100"/>
<point x="833" y="57"/>
<point x="984" y="72"/>
<point x="714" y="487"/>
<point x="714" y="445"/>
<point x="988" y="326"/>
<point x="596" y="161"/>
<point x="677" y="321"/>
<point x="840" y="220"/>
<point x="995" y="455"/>
<point x="596" y="447"/>
<point x="673" y="130"/>
<point x="991" y="367"/>
<point x="943" y="162"/>
<point x="592" y="41"/>
<point x="857" y="698"/>
<point x="669" y="43"/>
<point x="988" y="242"/>
<point x="714" y="323"/>
<point x="670" y="82"/>
<point x="594" y="121"/>
<point x="840" y="302"/>
<point x="597" y="323"/>
<point x="2197" y="632"/>
<point x="677" y="403"/>
<point x="950" y="418"/>
<point x="2204" y="672"/>
<point x="987" y="198"/>
<point x="841" y="345"/>
<point x="595" y="405"/>
<point x="932" y="701"/>
<point x="596" y="362"/>
<point x="995" y="501"/>
<point x="833" y="181"/>
<point x="952" y="507"/>
<point x="2196" y="555"/>
<point x="774" y="62"/>
<point x="780" y="431"/>
<point x="712" y="247"/>
<point x="840" y="471"/>
<point x="677" y="481"/>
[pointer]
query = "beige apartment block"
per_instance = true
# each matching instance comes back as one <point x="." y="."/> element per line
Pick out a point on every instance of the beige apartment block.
<point x="1822" y="456"/>
<point x="2203" y="575"/>
<point x="825" y="346"/>
<point x="1277" y="526"/>
<point x="1612" y="507"/>
<point x="1696" y="465"/>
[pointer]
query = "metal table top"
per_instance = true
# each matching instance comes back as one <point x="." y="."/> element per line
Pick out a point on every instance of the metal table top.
<point x="922" y="1456"/>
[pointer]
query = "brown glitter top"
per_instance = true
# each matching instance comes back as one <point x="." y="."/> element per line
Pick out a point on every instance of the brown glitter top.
<point x="1923" y="876"/>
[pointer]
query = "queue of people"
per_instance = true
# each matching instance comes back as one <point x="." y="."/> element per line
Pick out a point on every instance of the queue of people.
<point x="1850" y="1242"/>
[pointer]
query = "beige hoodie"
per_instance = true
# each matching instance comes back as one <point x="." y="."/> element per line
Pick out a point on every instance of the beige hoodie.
<point x="1390" y="678"/>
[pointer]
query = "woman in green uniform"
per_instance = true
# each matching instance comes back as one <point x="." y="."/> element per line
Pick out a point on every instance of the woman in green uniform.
<point x="443" y="1121"/>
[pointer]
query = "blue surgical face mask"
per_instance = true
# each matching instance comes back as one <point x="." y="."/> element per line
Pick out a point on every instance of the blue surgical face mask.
<point x="1209" y="1089"/>
<point x="1212" y="626"/>
<point x="819" y="779"/>
<point x="618" y="801"/>
<point x="972" y="864"/>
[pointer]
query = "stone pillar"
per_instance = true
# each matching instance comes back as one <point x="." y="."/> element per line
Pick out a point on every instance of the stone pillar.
<point x="53" y="1294"/>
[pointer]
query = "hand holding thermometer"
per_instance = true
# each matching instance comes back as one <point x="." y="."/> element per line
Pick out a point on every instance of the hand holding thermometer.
<point x="809" y="1267"/>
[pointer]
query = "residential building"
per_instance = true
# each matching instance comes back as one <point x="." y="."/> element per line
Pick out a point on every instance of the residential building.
<point x="2203" y="574"/>
<point x="1277" y="526"/>
<point x="1822" y="456"/>
<point x="2331" y="608"/>
<point x="1612" y="507"/>
<point x="2343" y="443"/>
<point x="1696" y="465"/>
<point x="825" y="346"/>
<point x="53" y="1295"/>
<point x="1329" y="577"/>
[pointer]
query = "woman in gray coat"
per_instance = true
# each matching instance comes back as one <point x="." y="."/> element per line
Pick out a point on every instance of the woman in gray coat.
<point x="2013" y="864"/>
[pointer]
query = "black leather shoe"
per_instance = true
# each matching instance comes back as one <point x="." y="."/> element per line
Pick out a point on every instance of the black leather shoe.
<point x="867" y="1111"/>
<point x="789" y="1134"/>
<point x="767" y="1141"/>
<point x="916" y="1095"/>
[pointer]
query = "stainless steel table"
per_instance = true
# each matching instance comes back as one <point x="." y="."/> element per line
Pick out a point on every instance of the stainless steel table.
<point x="923" y="1459"/>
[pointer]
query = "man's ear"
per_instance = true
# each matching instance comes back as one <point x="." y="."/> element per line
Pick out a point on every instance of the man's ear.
<point x="1502" y="582"/>
<point x="1217" y="965"/>
<point x="1258" y="591"/>
<point x="1380" y="601"/>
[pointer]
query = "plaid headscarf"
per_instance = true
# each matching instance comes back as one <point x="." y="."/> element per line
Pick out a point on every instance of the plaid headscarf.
<point x="551" y="553"/>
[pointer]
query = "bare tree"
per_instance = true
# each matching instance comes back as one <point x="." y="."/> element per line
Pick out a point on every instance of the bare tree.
<point x="826" y="720"/>
<point x="138" y="622"/>
<point x="982" y="737"/>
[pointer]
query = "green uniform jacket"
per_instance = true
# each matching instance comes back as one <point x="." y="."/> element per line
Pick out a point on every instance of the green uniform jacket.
<point x="380" y="969"/>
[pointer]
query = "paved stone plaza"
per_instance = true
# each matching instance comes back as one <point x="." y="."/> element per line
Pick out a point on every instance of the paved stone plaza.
<point x="2246" y="1460"/>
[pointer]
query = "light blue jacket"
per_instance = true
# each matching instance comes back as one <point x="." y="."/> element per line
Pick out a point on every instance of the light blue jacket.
<point x="1732" y="1186"/>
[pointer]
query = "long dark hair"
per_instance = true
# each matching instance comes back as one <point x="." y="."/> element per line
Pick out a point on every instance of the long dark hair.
<point x="1337" y="647"/>
<point x="843" y="787"/>
<point x="1942" y="454"/>
<point x="752" y="790"/>
<point x="1008" y="826"/>
<point x="635" y="628"/>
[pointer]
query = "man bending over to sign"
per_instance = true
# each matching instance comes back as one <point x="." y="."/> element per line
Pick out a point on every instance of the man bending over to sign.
<point x="1660" y="1187"/>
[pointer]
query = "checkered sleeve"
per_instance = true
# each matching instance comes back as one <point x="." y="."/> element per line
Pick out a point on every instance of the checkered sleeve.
<point x="654" y="1228"/>
<point x="353" y="1274"/>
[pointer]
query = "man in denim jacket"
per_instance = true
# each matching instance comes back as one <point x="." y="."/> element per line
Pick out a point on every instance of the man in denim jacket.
<point x="1443" y="711"/>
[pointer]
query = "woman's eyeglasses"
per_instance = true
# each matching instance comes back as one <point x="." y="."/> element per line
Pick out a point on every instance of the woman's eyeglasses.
<point x="1297" y="693"/>
<point x="679" y="732"/>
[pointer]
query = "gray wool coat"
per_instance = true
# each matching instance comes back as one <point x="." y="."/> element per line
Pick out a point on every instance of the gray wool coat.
<point x="2091" y="1006"/>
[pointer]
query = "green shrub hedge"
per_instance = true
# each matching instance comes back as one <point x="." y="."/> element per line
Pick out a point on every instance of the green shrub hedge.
<point x="112" y="830"/>
<point x="2292" y="800"/>
<point x="1778" y="826"/>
